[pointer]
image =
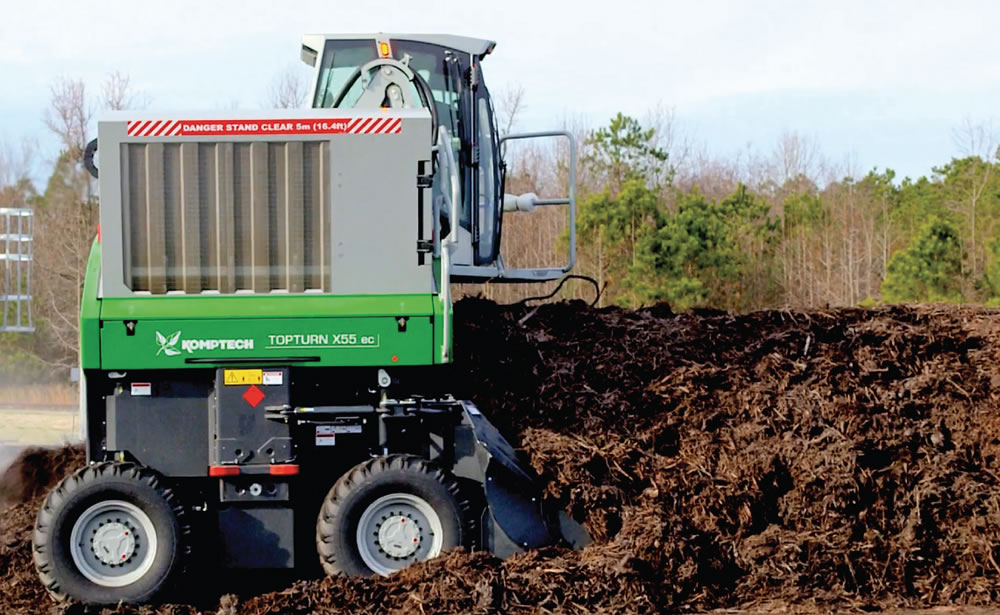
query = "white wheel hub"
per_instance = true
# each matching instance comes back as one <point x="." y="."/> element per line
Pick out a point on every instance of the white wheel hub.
<point x="399" y="538"/>
<point x="113" y="543"/>
<point x="397" y="530"/>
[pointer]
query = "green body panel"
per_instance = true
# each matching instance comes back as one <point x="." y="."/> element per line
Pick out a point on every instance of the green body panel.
<point x="179" y="331"/>
<point x="90" y="312"/>
<point x="335" y="341"/>
<point x="213" y="307"/>
<point x="438" y="306"/>
<point x="439" y="331"/>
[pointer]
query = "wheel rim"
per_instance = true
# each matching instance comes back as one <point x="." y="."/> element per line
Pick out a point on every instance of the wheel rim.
<point x="113" y="543"/>
<point x="397" y="530"/>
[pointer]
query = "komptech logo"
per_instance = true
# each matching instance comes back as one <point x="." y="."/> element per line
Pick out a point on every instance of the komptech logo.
<point x="168" y="345"/>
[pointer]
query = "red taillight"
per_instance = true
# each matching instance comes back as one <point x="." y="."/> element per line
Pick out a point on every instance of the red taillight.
<point x="284" y="470"/>
<point x="217" y="471"/>
<point x="98" y="232"/>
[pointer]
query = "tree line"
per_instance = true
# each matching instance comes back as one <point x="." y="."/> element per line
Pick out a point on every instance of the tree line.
<point x="658" y="219"/>
<point x="656" y="224"/>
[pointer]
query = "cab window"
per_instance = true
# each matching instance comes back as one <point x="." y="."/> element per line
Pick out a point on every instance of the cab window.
<point x="341" y="60"/>
<point x="442" y="69"/>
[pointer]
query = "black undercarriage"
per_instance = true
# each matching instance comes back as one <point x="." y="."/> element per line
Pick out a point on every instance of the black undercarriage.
<point x="253" y="462"/>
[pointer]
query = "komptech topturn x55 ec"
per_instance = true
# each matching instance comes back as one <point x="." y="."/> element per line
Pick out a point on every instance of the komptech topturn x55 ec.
<point x="266" y="327"/>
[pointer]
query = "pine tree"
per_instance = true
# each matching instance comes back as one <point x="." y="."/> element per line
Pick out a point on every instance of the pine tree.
<point x="929" y="269"/>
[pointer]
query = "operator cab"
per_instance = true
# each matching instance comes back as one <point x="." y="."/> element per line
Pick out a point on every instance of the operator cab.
<point x="443" y="74"/>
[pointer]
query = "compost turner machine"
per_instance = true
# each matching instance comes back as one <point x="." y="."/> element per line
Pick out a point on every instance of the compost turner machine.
<point x="267" y="324"/>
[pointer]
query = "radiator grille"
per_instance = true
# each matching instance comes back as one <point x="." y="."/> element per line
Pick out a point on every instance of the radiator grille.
<point x="226" y="217"/>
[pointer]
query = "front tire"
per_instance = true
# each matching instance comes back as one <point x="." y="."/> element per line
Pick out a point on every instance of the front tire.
<point x="390" y="512"/>
<point x="109" y="533"/>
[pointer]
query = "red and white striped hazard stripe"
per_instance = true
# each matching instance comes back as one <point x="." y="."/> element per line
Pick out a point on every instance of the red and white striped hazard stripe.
<point x="154" y="128"/>
<point x="299" y="126"/>
<point x="375" y="125"/>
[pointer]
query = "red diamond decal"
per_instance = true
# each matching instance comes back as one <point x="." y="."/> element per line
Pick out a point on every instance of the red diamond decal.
<point x="253" y="395"/>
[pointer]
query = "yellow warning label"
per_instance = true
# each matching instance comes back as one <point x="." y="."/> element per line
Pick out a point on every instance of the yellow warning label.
<point x="237" y="377"/>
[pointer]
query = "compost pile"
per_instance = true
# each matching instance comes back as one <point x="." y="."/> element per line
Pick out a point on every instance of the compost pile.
<point x="824" y="459"/>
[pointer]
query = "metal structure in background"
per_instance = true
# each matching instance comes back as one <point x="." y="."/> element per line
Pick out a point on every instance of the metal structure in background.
<point x="16" y="256"/>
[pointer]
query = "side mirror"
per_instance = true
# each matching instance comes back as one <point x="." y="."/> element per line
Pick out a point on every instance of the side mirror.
<point x="88" y="158"/>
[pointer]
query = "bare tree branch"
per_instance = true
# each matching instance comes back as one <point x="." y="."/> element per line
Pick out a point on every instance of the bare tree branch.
<point x="977" y="139"/>
<point x="509" y="105"/>
<point x="16" y="161"/>
<point x="794" y="157"/>
<point x="288" y="89"/>
<point x="64" y="225"/>
<point x="69" y="115"/>
<point x="117" y="93"/>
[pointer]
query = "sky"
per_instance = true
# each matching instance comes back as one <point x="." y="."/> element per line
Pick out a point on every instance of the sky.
<point x="875" y="83"/>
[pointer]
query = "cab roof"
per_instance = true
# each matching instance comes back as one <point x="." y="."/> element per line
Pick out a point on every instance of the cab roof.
<point x="312" y="44"/>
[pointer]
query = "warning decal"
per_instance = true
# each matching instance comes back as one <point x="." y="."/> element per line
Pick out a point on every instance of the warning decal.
<point x="326" y="435"/>
<point x="299" y="126"/>
<point x="239" y="377"/>
<point x="142" y="388"/>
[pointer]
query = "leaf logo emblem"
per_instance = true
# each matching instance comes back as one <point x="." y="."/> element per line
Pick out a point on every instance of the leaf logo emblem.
<point x="168" y="346"/>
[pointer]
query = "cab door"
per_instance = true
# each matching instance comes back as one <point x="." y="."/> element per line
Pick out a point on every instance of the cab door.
<point x="488" y="174"/>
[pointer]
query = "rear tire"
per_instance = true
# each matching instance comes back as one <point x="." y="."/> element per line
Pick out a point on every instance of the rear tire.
<point x="388" y="513"/>
<point x="109" y="533"/>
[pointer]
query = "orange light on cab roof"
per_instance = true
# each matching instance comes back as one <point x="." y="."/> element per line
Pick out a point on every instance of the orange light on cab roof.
<point x="383" y="50"/>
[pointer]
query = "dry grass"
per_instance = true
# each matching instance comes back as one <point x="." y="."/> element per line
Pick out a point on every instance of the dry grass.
<point x="49" y="427"/>
<point x="35" y="395"/>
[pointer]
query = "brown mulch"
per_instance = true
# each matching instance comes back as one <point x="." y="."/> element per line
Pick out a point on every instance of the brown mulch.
<point x="843" y="459"/>
<point x="22" y="488"/>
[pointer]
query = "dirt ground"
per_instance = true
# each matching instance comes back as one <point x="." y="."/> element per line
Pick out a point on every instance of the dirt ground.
<point x="809" y="461"/>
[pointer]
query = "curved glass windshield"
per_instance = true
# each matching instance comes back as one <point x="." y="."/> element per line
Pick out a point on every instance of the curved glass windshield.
<point x="341" y="60"/>
<point x="441" y="68"/>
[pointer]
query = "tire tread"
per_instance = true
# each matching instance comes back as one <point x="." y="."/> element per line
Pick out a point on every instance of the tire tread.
<point x="41" y="537"/>
<point x="363" y="473"/>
